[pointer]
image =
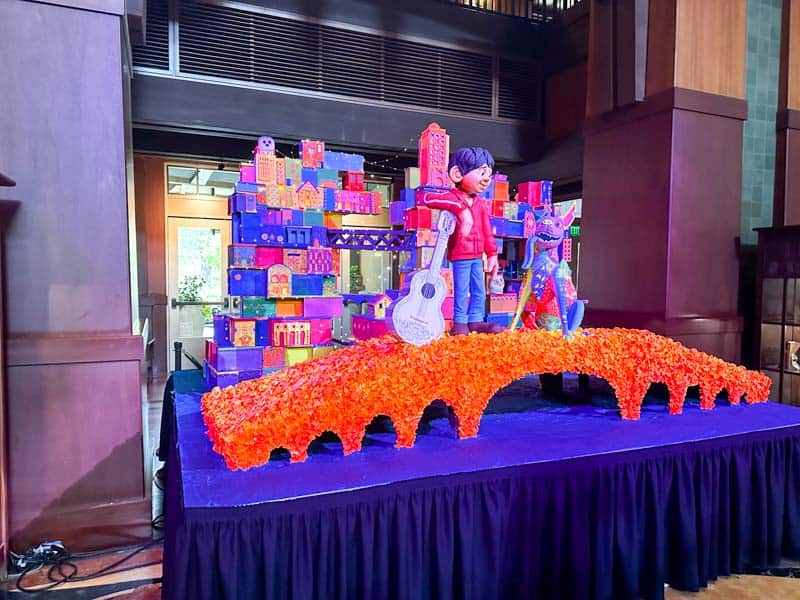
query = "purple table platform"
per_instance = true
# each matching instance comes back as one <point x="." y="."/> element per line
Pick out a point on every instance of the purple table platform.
<point x="553" y="500"/>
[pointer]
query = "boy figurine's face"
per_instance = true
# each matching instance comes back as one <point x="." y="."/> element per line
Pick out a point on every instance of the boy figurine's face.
<point x="474" y="182"/>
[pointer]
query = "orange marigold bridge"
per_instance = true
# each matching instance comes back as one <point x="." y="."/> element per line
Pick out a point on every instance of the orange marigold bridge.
<point x="345" y="390"/>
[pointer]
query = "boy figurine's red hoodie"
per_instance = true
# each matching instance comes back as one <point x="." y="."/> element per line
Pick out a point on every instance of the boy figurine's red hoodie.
<point x="471" y="239"/>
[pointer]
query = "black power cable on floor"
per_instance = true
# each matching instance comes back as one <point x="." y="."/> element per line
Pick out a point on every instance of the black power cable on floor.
<point x="63" y="570"/>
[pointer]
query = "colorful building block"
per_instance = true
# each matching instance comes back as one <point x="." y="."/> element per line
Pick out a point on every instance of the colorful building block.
<point x="319" y="260"/>
<point x="408" y="197"/>
<point x="265" y="168"/>
<point x="267" y="256"/>
<point x="502" y="303"/>
<point x="396" y="212"/>
<point x="247" y="173"/>
<point x="271" y="235"/>
<point x="329" y="287"/>
<point x="251" y="306"/>
<point x="222" y="336"/>
<point x="288" y="307"/>
<point x="498" y="209"/>
<point x="321" y="351"/>
<point x="241" y="203"/>
<point x="269" y="195"/>
<point x="322" y="307"/>
<point x="363" y="327"/>
<point x="448" y="307"/>
<point x="309" y="196"/>
<point x="243" y="331"/>
<point x="510" y="210"/>
<point x="306" y="285"/>
<point x="247" y="187"/>
<point x="279" y="281"/>
<point x="295" y="259"/>
<point x="221" y="378"/>
<point x="273" y="357"/>
<point x="503" y="319"/>
<point x="294" y="171"/>
<point x="310" y="176"/>
<point x="566" y="249"/>
<point x="263" y="332"/>
<point x="287" y="197"/>
<point x="246" y="282"/>
<point x="271" y="216"/>
<point x="333" y="221"/>
<point x="319" y="235"/>
<point x="500" y="186"/>
<point x="426" y="237"/>
<point x="280" y="171"/>
<point x="342" y="161"/>
<point x="411" y="177"/>
<point x="419" y="217"/>
<point x="354" y="180"/>
<point x="312" y="153"/>
<point x="434" y="152"/>
<point x="313" y="218"/>
<point x="242" y="256"/>
<point x="328" y="177"/>
<point x="515" y="229"/>
<point x="298" y="237"/>
<point x="297" y="355"/>
<point x="237" y="359"/>
<point x="376" y="308"/>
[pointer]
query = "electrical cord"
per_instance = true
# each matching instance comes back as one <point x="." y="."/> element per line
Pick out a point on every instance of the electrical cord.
<point x="56" y="555"/>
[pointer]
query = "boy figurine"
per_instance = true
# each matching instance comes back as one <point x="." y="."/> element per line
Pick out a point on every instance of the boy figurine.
<point x="471" y="171"/>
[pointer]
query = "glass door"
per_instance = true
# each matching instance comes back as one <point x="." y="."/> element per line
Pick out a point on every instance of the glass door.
<point x="196" y="281"/>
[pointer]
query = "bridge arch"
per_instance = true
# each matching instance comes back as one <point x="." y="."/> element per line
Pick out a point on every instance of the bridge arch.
<point x="343" y="391"/>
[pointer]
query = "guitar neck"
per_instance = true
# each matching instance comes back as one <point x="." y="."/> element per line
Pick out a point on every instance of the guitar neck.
<point x="438" y="256"/>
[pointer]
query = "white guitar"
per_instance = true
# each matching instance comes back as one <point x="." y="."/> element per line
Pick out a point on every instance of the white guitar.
<point x="417" y="316"/>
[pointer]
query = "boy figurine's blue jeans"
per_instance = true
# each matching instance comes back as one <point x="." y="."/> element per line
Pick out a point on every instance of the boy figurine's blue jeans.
<point x="469" y="280"/>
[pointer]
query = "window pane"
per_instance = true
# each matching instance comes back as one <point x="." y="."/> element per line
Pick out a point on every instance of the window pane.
<point x="199" y="260"/>
<point x="181" y="180"/>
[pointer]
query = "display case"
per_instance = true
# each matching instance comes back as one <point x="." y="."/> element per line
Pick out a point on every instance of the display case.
<point x="777" y="335"/>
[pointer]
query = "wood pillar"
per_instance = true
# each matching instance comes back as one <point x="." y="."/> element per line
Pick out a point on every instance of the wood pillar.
<point x="74" y="397"/>
<point x="786" y="207"/>
<point x="662" y="176"/>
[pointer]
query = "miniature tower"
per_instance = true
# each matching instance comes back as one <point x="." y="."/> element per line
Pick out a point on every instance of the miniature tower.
<point x="434" y="151"/>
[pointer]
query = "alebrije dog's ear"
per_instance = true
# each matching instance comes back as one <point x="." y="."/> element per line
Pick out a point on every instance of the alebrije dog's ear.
<point x="568" y="217"/>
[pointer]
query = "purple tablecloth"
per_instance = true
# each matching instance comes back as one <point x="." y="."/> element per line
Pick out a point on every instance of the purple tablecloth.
<point x="555" y="501"/>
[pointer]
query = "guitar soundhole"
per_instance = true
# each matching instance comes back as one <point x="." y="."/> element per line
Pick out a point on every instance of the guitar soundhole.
<point x="428" y="290"/>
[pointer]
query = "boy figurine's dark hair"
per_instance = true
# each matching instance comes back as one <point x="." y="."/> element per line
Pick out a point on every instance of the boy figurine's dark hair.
<point x="468" y="159"/>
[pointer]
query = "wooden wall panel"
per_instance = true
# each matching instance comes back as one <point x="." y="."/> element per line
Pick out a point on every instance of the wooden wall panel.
<point x="565" y="102"/>
<point x="68" y="245"/>
<point x="75" y="440"/>
<point x="789" y="80"/>
<point x="600" y="64"/>
<point x="661" y="46"/>
<point x="711" y="40"/>
<point x="149" y="184"/>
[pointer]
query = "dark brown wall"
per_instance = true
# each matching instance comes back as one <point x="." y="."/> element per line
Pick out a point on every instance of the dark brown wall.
<point x="626" y="215"/>
<point x="74" y="403"/>
<point x="565" y="102"/>
<point x="151" y="254"/>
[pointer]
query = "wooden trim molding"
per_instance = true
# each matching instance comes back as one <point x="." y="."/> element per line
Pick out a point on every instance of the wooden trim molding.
<point x="787" y="119"/>
<point x="671" y="99"/>
<point x="50" y="349"/>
